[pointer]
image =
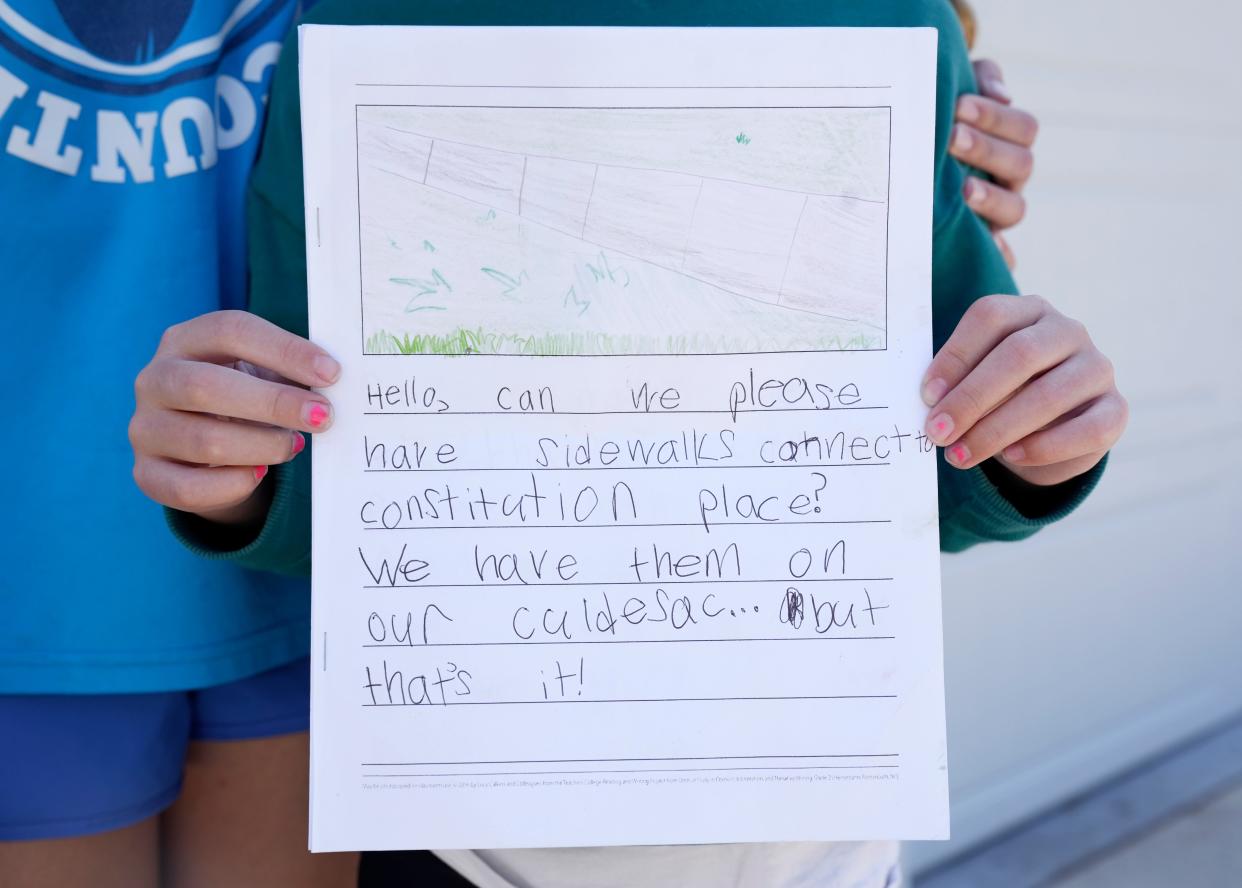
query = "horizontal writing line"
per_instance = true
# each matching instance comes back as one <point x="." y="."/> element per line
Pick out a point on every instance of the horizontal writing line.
<point x="725" y="411"/>
<point x="632" y="354"/>
<point x="625" y="583"/>
<point x="644" y="771"/>
<point x="611" y="86"/>
<point x="654" y="758"/>
<point x="609" y="526"/>
<point x="631" y="641"/>
<point x="629" y="700"/>
<point x="635" y="107"/>
<point x="639" y="468"/>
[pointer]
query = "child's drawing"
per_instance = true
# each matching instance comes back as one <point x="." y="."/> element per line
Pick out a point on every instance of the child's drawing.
<point x="623" y="230"/>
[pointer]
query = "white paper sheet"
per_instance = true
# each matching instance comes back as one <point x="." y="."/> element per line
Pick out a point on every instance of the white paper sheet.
<point x="626" y="530"/>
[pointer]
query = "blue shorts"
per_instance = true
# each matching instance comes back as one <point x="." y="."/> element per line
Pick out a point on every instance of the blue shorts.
<point x="77" y="764"/>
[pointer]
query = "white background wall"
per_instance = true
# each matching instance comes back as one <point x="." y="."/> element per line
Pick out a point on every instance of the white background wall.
<point x="1104" y="640"/>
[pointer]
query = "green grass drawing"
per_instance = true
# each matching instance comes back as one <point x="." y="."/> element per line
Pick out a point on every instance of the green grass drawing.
<point x="480" y="341"/>
<point x="425" y="288"/>
<point x="508" y="281"/>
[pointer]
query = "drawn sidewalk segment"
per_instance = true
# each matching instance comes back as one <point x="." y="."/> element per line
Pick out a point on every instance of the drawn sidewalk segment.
<point x="557" y="254"/>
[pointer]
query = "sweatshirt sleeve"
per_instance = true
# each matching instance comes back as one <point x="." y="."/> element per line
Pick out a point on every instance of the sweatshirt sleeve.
<point x="986" y="503"/>
<point x="277" y="258"/>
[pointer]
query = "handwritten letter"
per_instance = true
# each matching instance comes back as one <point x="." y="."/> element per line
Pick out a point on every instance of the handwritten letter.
<point x="626" y="529"/>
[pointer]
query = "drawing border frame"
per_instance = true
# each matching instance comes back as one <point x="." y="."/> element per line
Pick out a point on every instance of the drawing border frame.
<point x="887" y="215"/>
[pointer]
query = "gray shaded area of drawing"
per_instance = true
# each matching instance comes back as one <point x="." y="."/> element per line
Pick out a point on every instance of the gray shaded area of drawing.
<point x="800" y="253"/>
<point x="556" y="193"/>
<point x="822" y="254"/>
<point x="476" y="173"/>
<point x="821" y="150"/>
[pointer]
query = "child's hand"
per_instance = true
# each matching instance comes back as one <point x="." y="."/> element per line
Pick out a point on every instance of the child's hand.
<point x="1021" y="382"/>
<point x="217" y="405"/>
<point x="996" y="138"/>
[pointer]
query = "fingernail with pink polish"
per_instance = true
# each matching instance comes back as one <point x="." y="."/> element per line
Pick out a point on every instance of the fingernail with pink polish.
<point x="968" y="110"/>
<point x="959" y="455"/>
<point x="933" y="391"/>
<point x="316" y="415"/>
<point x="940" y="428"/>
<point x="1014" y="453"/>
<point x="260" y="472"/>
<point x="299" y="443"/>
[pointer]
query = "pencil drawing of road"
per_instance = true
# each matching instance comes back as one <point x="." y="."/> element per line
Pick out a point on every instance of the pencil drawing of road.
<point x="623" y="231"/>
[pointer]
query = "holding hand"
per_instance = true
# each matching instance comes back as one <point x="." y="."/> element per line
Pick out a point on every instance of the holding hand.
<point x="219" y="403"/>
<point x="1021" y="382"/>
<point x="993" y="136"/>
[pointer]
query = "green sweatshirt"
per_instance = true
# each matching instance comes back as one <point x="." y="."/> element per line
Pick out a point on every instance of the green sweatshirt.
<point x="981" y="504"/>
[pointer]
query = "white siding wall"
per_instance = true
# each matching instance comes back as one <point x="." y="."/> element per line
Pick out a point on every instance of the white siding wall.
<point x="1104" y="640"/>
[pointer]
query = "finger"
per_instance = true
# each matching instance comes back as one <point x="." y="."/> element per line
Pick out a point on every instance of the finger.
<point x="262" y="372"/>
<point x="1058" y="393"/>
<point x="988" y="321"/>
<point x="999" y="120"/>
<point x="225" y="336"/>
<point x="1094" y="430"/>
<point x="991" y="81"/>
<point x="196" y="488"/>
<point x="1000" y="207"/>
<point x="1004" y="371"/>
<point x="198" y="387"/>
<point x="1058" y="473"/>
<point x="206" y="440"/>
<point x="1006" y="251"/>
<point x="1010" y="164"/>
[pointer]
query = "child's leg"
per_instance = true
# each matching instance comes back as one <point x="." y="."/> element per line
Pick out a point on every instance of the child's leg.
<point x="121" y="858"/>
<point x="241" y="817"/>
<point x="82" y="781"/>
<point x="241" y="820"/>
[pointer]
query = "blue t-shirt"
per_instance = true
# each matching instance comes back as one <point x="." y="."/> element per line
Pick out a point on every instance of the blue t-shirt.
<point x="127" y="130"/>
